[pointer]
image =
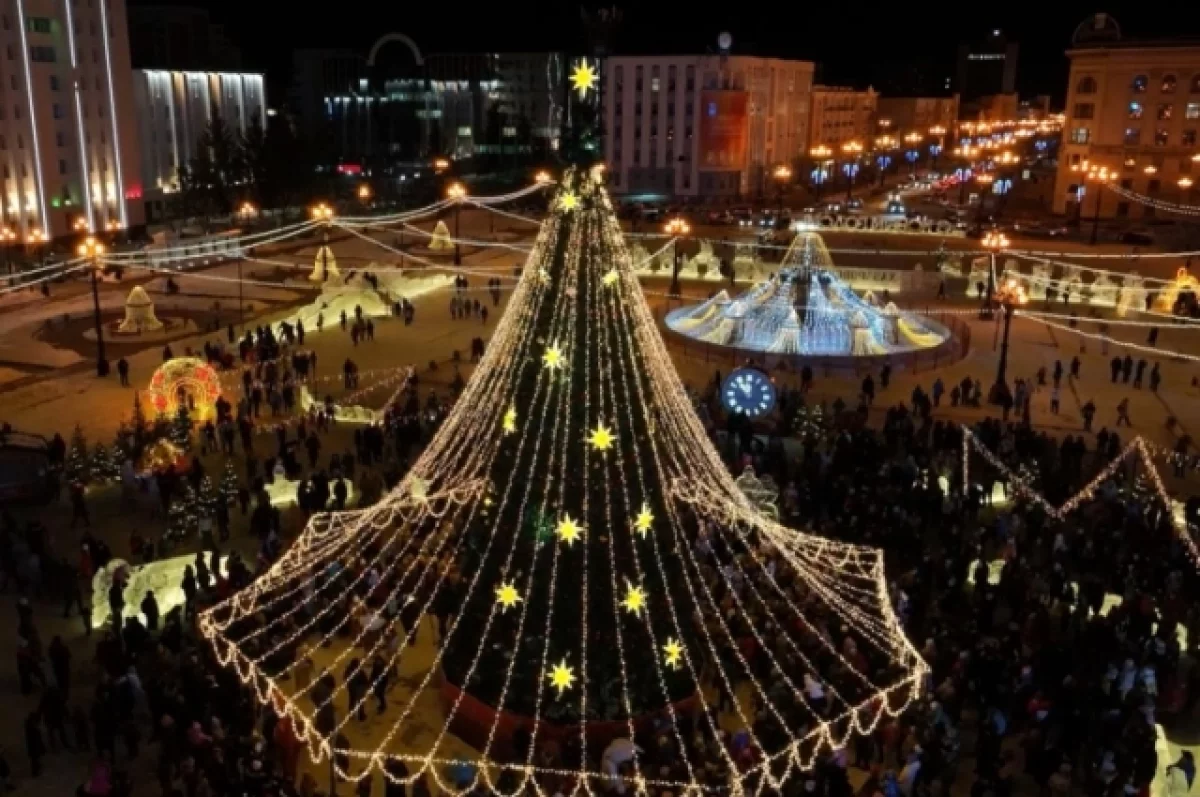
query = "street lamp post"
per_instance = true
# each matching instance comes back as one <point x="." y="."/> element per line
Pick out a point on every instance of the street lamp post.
<point x="995" y="242"/>
<point x="783" y="174"/>
<point x="1010" y="296"/>
<point x="912" y="139"/>
<point x="247" y="212"/>
<point x="984" y="181"/>
<point x="852" y="149"/>
<point x="1099" y="176"/>
<point x="456" y="192"/>
<point x="819" y="154"/>
<point x="92" y="249"/>
<point x="7" y="236"/>
<point x="938" y="132"/>
<point x="323" y="213"/>
<point x="677" y="228"/>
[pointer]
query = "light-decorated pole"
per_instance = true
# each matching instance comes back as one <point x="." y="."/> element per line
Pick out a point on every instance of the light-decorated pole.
<point x="678" y="228"/>
<point x="92" y="249"/>
<point x="1010" y="296"/>
<point x="820" y="155"/>
<point x="456" y="193"/>
<point x="324" y="214"/>
<point x="913" y="139"/>
<point x="852" y="149"/>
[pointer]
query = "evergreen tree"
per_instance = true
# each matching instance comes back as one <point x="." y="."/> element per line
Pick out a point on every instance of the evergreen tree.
<point x="139" y="428"/>
<point x="102" y="465"/>
<point x="181" y="428"/>
<point x="161" y="429"/>
<point x="207" y="500"/>
<point x="228" y="488"/>
<point x="78" y="464"/>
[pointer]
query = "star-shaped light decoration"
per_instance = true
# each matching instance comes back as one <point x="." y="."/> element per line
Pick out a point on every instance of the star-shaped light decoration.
<point x="509" y="424"/>
<point x="583" y="79"/>
<point x="568" y="201"/>
<point x="506" y="596"/>
<point x="553" y="358"/>
<point x="610" y="278"/>
<point x="673" y="653"/>
<point x="644" y="521"/>
<point x="561" y="677"/>
<point x="601" y="437"/>
<point x="568" y="530"/>
<point x="635" y="599"/>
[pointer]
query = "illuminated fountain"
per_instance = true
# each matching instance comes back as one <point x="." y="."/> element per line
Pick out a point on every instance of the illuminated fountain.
<point x="806" y="309"/>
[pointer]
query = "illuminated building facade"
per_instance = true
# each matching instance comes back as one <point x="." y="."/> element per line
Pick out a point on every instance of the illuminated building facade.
<point x="173" y="109"/>
<point x="1134" y="109"/>
<point x="68" y="140"/>
<point x="702" y="125"/>
<point x="841" y="114"/>
<point x="921" y="114"/>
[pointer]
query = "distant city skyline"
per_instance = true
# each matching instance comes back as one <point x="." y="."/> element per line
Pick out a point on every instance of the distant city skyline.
<point x="912" y="51"/>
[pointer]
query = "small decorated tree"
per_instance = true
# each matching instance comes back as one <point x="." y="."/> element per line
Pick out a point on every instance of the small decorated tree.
<point x="104" y="467"/>
<point x="183" y="517"/>
<point x="207" y="499"/>
<point x="139" y="431"/>
<point x="78" y="464"/>
<point x="228" y="489"/>
<point x="181" y="429"/>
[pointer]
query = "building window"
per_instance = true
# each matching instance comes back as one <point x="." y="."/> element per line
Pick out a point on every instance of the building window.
<point x="62" y="167"/>
<point x="60" y="139"/>
<point x="54" y="82"/>
<point x="42" y="54"/>
<point x="1080" y="135"/>
<point x="1192" y="110"/>
<point x="1168" y="84"/>
<point x="1139" y="84"/>
<point x="1086" y="85"/>
<point x="1133" y="135"/>
<point x="1188" y="140"/>
<point x="9" y="49"/>
<point x="58" y="111"/>
<point x="1164" y="111"/>
<point x="654" y="84"/>
<point x="1135" y="110"/>
<point x="1084" y="110"/>
<point x="38" y="24"/>
<point x="1160" y="137"/>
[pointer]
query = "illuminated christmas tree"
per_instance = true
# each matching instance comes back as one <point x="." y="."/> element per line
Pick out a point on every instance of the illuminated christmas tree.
<point x="571" y="557"/>
<point x="78" y="465"/>
<point x="104" y="464"/>
<point x="227" y="490"/>
<point x="181" y="429"/>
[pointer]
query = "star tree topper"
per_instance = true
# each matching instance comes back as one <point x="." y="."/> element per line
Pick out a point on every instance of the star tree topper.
<point x="568" y="200"/>
<point x="561" y="677"/>
<point x="584" y="78"/>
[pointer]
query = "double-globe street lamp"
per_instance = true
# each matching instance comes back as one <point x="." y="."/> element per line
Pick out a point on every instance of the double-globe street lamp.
<point x="913" y="154"/>
<point x="852" y="149"/>
<point x="821" y="156"/>
<point x="92" y="249"/>
<point x="677" y="228"/>
<point x="457" y="192"/>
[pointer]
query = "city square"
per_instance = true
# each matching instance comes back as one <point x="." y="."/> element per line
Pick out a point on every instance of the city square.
<point x="445" y="428"/>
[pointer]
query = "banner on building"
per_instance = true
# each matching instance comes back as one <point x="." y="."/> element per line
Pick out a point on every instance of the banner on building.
<point x="724" y="129"/>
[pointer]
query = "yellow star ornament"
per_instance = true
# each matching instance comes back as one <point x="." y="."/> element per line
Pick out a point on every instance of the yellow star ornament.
<point x="673" y="653"/>
<point x="601" y="437"/>
<point x="553" y="358"/>
<point x="583" y="79"/>
<point x="509" y="424"/>
<point x="644" y="521"/>
<point x="506" y="596"/>
<point x="635" y="599"/>
<point x="610" y="278"/>
<point x="568" y="530"/>
<point x="568" y="201"/>
<point x="561" y="677"/>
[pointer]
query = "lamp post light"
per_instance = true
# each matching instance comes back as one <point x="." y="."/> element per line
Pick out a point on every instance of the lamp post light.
<point x="912" y="139"/>
<point x="820" y="154"/>
<point x="92" y="249"/>
<point x="852" y="149"/>
<point x="542" y="178"/>
<point x="882" y="162"/>
<point x="938" y="132"/>
<point x="364" y="195"/>
<point x="456" y="192"/>
<point x="1010" y="296"/>
<point x="995" y="242"/>
<point x="782" y="174"/>
<point x="677" y="228"/>
<point x="1185" y="188"/>
<point x="1098" y="175"/>
<point x="324" y="214"/>
<point x="7" y="236"/>
<point x="984" y="181"/>
<point x="247" y="212"/>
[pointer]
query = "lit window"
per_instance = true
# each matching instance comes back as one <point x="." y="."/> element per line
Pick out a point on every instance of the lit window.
<point x="1139" y="84"/>
<point x="1080" y="135"/>
<point x="1164" y="112"/>
<point x="1188" y="140"/>
<point x="1168" y="84"/>
<point x="1086" y="85"/>
<point x="1135" y="110"/>
<point x="1192" y="111"/>
<point x="1160" y="137"/>
<point x="1133" y="135"/>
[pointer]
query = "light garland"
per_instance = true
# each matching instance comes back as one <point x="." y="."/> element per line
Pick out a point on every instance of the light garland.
<point x="574" y="454"/>
<point x="1158" y="204"/>
<point x="1157" y="352"/>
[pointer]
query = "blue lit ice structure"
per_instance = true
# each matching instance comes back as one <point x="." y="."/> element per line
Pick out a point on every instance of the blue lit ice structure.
<point x="806" y="309"/>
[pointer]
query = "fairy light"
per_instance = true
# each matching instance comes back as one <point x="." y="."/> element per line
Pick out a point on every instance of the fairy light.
<point x="668" y="628"/>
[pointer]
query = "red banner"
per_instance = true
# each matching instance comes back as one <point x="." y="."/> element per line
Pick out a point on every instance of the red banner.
<point x="724" y="128"/>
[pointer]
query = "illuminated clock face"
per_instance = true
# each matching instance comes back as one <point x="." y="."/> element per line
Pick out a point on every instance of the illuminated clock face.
<point x="748" y="391"/>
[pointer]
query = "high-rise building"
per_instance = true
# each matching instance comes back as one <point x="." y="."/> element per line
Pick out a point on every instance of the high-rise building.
<point x="702" y="125"/>
<point x="180" y="38"/>
<point x="68" y="139"/>
<point x="173" y="110"/>
<point x="987" y="66"/>
<point x="1133" y="108"/>
<point x="841" y="114"/>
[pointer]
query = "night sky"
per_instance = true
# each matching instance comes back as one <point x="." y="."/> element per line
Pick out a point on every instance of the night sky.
<point x="851" y="44"/>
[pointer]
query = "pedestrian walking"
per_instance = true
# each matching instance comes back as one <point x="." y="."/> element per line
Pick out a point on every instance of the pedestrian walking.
<point x="1123" y="412"/>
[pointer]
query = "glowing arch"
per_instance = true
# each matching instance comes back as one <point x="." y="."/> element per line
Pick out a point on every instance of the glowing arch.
<point x="388" y="38"/>
<point x="186" y="379"/>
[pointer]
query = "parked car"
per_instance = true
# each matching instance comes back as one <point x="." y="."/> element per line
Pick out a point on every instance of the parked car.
<point x="854" y="205"/>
